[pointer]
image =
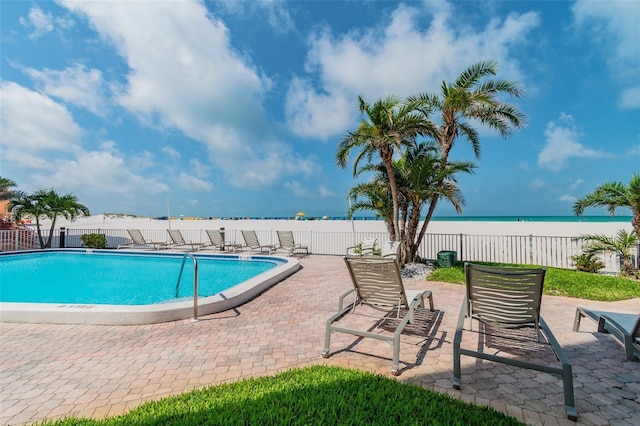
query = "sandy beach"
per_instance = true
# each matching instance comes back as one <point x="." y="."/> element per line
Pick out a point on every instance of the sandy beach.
<point x="559" y="229"/>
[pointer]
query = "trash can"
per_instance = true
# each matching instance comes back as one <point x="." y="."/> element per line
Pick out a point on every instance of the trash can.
<point x="447" y="259"/>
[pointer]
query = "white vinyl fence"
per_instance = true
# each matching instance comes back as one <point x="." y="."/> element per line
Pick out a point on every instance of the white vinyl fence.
<point x="520" y="249"/>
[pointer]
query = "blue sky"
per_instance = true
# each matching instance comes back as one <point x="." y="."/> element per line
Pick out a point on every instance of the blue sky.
<point x="236" y="108"/>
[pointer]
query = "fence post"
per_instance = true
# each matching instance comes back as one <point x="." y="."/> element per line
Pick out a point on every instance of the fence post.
<point x="62" y="236"/>
<point x="460" y="251"/>
<point x="530" y="249"/>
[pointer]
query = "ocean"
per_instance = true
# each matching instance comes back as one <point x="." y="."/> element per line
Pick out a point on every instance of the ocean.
<point x="534" y="218"/>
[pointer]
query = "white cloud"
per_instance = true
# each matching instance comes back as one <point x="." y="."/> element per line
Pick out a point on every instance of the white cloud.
<point x="323" y="191"/>
<point x="630" y="98"/>
<point x="567" y="198"/>
<point x="33" y="122"/>
<point x="170" y="151"/>
<point x="299" y="191"/>
<point x="537" y="184"/>
<point x="634" y="151"/>
<point x="194" y="81"/>
<point x="274" y="12"/>
<point x="77" y="85"/>
<point x="613" y="25"/>
<point x="575" y="184"/>
<point x="524" y="166"/>
<point x="562" y="144"/>
<point x="94" y="174"/>
<point x="368" y="63"/>
<point x="193" y="184"/>
<point x="42" y="23"/>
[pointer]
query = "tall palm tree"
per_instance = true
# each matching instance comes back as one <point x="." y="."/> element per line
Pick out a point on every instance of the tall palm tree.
<point x="423" y="176"/>
<point x="386" y="128"/>
<point x="613" y="195"/>
<point x="471" y="99"/>
<point x="47" y="204"/>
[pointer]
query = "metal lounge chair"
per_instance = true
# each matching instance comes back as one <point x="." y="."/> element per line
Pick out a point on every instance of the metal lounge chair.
<point x="506" y="303"/>
<point x="251" y="241"/>
<point x="287" y="243"/>
<point x="365" y="248"/>
<point x="377" y="283"/>
<point x="218" y="242"/>
<point x="179" y="241"/>
<point x="390" y="249"/>
<point x="138" y="241"/>
<point x="624" y="327"/>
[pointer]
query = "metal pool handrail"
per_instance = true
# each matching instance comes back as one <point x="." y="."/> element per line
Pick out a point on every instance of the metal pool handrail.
<point x="195" y="283"/>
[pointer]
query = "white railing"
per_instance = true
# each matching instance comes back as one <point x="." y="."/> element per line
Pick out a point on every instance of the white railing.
<point x="521" y="249"/>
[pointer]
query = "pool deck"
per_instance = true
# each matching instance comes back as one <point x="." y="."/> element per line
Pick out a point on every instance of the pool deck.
<point x="49" y="371"/>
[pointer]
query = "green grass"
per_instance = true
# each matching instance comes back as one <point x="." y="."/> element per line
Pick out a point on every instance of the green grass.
<point x="561" y="282"/>
<point x="317" y="395"/>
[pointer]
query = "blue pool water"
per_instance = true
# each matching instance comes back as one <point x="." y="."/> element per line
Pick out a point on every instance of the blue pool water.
<point x="118" y="279"/>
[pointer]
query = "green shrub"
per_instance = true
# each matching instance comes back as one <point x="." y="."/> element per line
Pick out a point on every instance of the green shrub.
<point x="587" y="262"/>
<point x="96" y="241"/>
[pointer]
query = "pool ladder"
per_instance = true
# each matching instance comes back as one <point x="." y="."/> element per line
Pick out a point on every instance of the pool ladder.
<point x="195" y="283"/>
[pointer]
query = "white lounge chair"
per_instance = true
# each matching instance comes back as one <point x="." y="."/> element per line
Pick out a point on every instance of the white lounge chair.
<point x="377" y="283"/>
<point x="365" y="248"/>
<point x="138" y="242"/>
<point x="180" y="242"/>
<point x="287" y="243"/>
<point x="251" y="241"/>
<point x="624" y="327"/>
<point x="218" y="242"/>
<point x="390" y="249"/>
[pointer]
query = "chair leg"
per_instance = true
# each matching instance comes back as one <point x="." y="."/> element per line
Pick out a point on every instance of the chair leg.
<point x="576" y="321"/>
<point x="395" y="366"/>
<point x="569" y="400"/>
<point x="327" y="341"/>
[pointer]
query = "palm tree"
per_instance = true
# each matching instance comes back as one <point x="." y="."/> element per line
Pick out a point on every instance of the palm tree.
<point x="423" y="176"/>
<point x="47" y="204"/>
<point x="386" y="128"/>
<point x="5" y="189"/>
<point x="418" y="175"/>
<point x="622" y="244"/>
<point x="469" y="100"/>
<point x="374" y="196"/>
<point x="613" y="195"/>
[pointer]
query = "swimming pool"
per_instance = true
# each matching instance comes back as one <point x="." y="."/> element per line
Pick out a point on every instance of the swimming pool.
<point x="128" y="287"/>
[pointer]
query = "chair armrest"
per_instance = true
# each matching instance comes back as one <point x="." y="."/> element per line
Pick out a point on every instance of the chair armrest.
<point x="457" y="337"/>
<point x="341" y="300"/>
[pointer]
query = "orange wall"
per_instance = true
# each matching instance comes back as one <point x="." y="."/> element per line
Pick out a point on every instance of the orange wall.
<point x="4" y="212"/>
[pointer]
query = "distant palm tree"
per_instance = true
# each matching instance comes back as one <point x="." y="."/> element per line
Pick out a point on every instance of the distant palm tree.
<point x="387" y="127"/>
<point x="470" y="100"/>
<point x="47" y="204"/>
<point x="613" y="195"/>
<point x="621" y="245"/>
<point x="6" y="193"/>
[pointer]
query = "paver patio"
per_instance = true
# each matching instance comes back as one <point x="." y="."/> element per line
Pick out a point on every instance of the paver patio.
<point x="49" y="371"/>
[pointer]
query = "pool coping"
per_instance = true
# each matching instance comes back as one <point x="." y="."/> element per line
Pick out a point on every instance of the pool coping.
<point x="97" y="314"/>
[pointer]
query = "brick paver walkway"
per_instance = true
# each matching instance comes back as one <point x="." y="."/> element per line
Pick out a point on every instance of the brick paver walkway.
<point x="49" y="371"/>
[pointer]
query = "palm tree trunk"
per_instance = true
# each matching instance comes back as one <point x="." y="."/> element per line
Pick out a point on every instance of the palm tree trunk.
<point x="387" y="159"/>
<point x="53" y="225"/>
<point x="42" y="245"/>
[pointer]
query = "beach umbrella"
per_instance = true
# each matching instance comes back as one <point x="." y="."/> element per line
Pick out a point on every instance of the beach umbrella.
<point x="300" y="214"/>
